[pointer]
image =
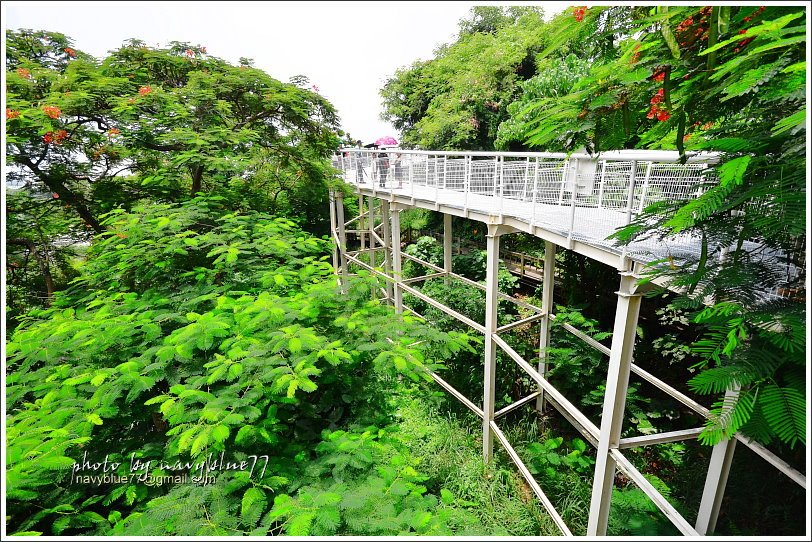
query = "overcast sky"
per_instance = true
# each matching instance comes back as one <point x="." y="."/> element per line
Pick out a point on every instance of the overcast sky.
<point x="347" y="49"/>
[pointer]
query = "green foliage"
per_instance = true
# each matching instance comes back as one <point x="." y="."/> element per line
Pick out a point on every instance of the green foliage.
<point x="633" y="513"/>
<point x="714" y="78"/>
<point x="87" y="136"/>
<point x="449" y="451"/>
<point x="193" y="330"/>
<point x="545" y="458"/>
<point x="573" y="365"/>
<point x="763" y="355"/>
<point x="491" y="19"/>
<point x="554" y="81"/>
<point x="427" y="249"/>
<point x="458" y="99"/>
<point x="669" y="345"/>
<point x="362" y="484"/>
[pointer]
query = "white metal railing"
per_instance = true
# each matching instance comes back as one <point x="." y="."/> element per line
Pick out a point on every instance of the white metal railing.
<point x="582" y="196"/>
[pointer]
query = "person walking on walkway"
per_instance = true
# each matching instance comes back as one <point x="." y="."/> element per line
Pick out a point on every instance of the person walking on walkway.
<point x="383" y="168"/>
<point x="396" y="168"/>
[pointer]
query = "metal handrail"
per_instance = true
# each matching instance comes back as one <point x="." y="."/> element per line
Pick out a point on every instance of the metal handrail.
<point x="606" y="181"/>
<point x="627" y="154"/>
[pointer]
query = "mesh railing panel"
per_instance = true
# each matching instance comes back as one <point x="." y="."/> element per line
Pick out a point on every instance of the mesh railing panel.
<point x="584" y="203"/>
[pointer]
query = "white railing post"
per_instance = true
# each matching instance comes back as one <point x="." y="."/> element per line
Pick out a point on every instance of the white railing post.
<point x="600" y="186"/>
<point x="445" y="172"/>
<point x="411" y="175"/>
<point x="436" y="180"/>
<point x="526" y="176"/>
<point x="572" y="199"/>
<point x="644" y="191"/>
<point x="630" y="195"/>
<point x="361" y="223"/>
<point x="535" y="193"/>
<point x="501" y="165"/>
<point x="629" y="206"/>
<point x="565" y="172"/>
<point x="466" y="181"/>
<point x="495" y="175"/>
<point x="375" y="168"/>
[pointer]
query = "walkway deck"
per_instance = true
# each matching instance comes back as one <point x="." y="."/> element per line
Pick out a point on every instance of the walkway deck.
<point x="575" y="201"/>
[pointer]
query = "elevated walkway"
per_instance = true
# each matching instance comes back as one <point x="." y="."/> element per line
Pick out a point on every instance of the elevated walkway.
<point x="571" y="202"/>
<point x="574" y="201"/>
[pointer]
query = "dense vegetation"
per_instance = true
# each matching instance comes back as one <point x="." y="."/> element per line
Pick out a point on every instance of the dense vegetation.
<point x="170" y="297"/>
<point x="725" y="79"/>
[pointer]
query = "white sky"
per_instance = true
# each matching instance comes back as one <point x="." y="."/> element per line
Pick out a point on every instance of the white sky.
<point x="347" y="49"/>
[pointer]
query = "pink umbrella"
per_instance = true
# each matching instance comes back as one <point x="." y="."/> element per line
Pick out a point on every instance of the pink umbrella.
<point x="386" y="141"/>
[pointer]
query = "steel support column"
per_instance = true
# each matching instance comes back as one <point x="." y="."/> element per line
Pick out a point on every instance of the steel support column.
<point x="396" y="260"/>
<point x="491" y="303"/>
<point x="547" y="307"/>
<point x="342" y="241"/>
<point x="715" y="481"/>
<point x="362" y="238"/>
<point x="614" y="402"/>
<point x="447" y="245"/>
<point x="387" y="241"/>
<point x="333" y="231"/>
<point x="371" y="226"/>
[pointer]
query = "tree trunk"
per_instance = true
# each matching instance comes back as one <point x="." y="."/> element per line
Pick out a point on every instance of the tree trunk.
<point x="197" y="179"/>
<point x="42" y="261"/>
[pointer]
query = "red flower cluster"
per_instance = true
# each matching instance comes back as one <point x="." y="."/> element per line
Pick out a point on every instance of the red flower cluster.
<point x="71" y="52"/>
<point x="694" y="28"/>
<point x="659" y="76"/>
<point x="656" y="110"/>
<point x="11" y="114"/>
<point x="22" y="72"/>
<point x="52" y="111"/>
<point x="189" y="53"/>
<point x="578" y="13"/>
<point x="146" y="89"/>
<point x="55" y="137"/>
<point x="685" y="24"/>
